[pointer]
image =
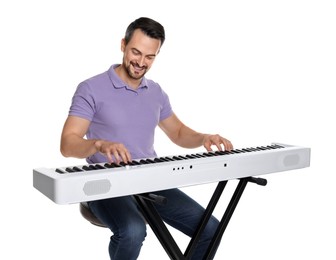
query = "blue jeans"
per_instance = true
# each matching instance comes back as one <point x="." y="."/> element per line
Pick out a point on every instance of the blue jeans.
<point x="126" y="222"/>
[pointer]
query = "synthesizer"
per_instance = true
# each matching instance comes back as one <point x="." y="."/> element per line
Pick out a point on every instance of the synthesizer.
<point x="75" y="184"/>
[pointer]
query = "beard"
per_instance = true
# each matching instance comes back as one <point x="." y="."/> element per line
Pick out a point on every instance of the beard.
<point x="134" y="71"/>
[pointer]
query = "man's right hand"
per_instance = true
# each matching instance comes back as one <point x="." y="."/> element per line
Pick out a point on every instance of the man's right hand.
<point x="115" y="152"/>
<point x="73" y="143"/>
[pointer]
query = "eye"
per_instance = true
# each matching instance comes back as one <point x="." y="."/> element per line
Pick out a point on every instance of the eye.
<point x="135" y="52"/>
<point x="150" y="57"/>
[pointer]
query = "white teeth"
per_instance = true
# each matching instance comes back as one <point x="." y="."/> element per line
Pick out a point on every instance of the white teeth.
<point x="138" y="68"/>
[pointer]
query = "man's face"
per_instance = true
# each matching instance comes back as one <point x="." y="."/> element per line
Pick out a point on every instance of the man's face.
<point x="139" y="54"/>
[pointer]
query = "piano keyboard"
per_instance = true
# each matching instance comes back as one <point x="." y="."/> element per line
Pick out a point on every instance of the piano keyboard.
<point x="74" y="184"/>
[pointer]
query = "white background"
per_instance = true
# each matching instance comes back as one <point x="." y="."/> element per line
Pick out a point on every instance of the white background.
<point x="254" y="71"/>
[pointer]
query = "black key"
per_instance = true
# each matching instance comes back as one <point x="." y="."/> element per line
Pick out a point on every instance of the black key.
<point x="134" y="163"/>
<point x="99" y="166"/>
<point x="115" y="165"/>
<point x="77" y="169"/>
<point x="158" y="160"/>
<point x="278" y="146"/>
<point x="142" y="161"/>
<point x="190" y="156"/>
<point x="275" y="146"/>
<point x="164" y="159"/>
<point x="128" y="163"/>
<point x="219" y="152"/>
<point x="183" y="157"/>
<point x="234" y="151"/>
<point x="108" y="165"/>
<point x="198" y="155"/>
<point x="69" y="169"/>
<point x="93" y="167"/>
<point x="208" y="154"/>
<point x="60" y="171"/>
<point x="86" y="168"/>
<point x="169" y="159"/>
<point x="111" y="165"/>
<point x="228" y="152"/>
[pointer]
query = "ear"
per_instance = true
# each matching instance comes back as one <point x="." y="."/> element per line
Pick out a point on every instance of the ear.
<point x="123" y="45"/>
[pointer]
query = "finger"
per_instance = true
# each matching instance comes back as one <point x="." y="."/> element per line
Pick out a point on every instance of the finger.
<point x="125" y="156"/>
<point x="223" y="142"/>
<point x="228" y="145"/>
<point x="219" y="145"/>
<point x="128" y="155"/>
<point x="116" y="156"/>
<point x="207" y="146"/>
<point x="109" y="157"/>
<point x="218" y="141"/>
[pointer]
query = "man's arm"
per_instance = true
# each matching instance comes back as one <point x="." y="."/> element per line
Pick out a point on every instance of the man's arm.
<point x="186" y="137"/>
<point x="73" y="143"/>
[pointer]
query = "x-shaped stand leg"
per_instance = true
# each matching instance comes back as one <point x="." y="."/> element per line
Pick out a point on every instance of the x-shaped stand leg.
<point x="145" y="202"/>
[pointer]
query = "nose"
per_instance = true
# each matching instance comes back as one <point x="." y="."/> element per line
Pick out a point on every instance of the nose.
<point x="141" y="61"/>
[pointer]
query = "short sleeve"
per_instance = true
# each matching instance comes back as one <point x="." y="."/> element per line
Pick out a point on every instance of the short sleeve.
<point x="166" y="109"/>
<point x="83" y="102"/>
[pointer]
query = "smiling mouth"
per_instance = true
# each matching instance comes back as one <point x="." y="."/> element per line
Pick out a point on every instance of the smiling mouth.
<point x="137" y="68"/>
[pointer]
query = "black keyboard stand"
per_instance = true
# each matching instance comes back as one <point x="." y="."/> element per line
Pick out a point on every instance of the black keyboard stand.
<point x="146" y="200"/>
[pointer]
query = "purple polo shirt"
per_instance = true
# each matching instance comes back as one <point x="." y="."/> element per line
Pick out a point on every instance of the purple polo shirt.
<point x="121" y="114"/>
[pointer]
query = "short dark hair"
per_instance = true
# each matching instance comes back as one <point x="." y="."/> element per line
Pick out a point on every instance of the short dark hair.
<point x="148" y="26"/>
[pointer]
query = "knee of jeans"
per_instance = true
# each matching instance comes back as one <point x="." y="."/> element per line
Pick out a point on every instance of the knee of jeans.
<point x="135" y="231"/>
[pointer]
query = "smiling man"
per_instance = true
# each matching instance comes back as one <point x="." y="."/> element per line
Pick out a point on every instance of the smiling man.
<point x="113" y="117"/>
